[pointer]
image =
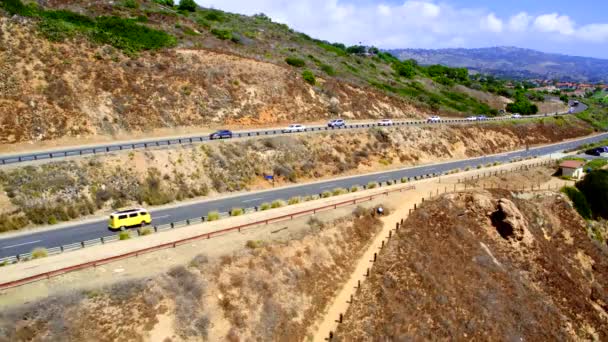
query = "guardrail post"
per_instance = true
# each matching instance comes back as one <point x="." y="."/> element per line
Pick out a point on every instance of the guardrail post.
<point x="188" y="222"/>
<point x="82" y="244"/>
<point x="102" y="240"/>
<point x="172" y="225"/>
<point x="156" y="229"/>
<point x="61" y="249"/>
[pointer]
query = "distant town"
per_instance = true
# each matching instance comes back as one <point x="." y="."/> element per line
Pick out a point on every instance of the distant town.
<point x="578" y="89"/>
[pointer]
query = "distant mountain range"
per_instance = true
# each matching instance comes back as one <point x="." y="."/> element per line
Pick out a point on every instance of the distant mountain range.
<point x="514" y="62"/>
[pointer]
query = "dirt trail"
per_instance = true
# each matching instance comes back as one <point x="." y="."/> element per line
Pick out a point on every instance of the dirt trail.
<point x="423" y="189"/>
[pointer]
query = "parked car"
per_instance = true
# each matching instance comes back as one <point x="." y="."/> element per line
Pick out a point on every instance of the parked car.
<point x="472" y="118"/>
<point x="123" y="219"/>
<point x="336" y="123"/>
<point x="598" y="151"/>
<point x="294" y="128"/>
<point x="385" y="122"/>
<point x="516" y="116"/>
<point x="221" y="134"/>
<point x="434" y="118"/>
<point x="575" y="103"/>
<point x="482" y="118"/>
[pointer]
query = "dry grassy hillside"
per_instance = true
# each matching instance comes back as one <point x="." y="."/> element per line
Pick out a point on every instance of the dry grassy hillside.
<point x="75" y="88"/>
<point x="486" y="266"/>
<point x="102" y="68"/>
<point x="266" y="292"/>
<point x="60" y="191"/>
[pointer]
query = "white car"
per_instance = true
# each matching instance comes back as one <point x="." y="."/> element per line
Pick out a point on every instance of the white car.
<point x="434" y="118"/>
<point x="385" y="122"/>
<point x="516" y="116"/>
<point x="472" y="118"/>
<point x="294" y="128"/>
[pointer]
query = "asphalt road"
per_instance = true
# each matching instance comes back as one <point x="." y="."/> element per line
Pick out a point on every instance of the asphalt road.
<point x="13" y="158"/>
<point x="92" y="230"/>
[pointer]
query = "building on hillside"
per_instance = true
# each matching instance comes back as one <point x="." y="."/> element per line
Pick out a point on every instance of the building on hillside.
<point x="572" y="168"/>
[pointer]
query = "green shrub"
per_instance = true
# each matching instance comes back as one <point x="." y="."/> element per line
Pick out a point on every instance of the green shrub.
<point x="17" y="7"/>
<point x="52" y="220"/>
<point x="294" y="200"/>
<point x="236" y="212"/>
<point x="187" y="5"/>
<point x="339" y="191"/>
<point x="479" y="166"/>
<point x="328" y="69"/>
<point x="595" y="188"/>
<point x="325" y="194"/>
<point x="222" y="34"/>
<point x="355" y="188"/>
<point x="145" y="231"/>
<point x="309" y="77"/>
<point x="578" y="199"/>
<point x="129" y="36"/>
<point x="168" y="3"/>
<point x="213" y="216"/>
<point x="130" y="4"/>
<point x="372" y="185"/>
<point x="265" y="206"/>
<point x="125" y="235"/>
<point x="404" y="180"/>
<point x="295" y="62"/>
<point x="277" y="204"/>
<point x="39" y="252"/>
<point x="253" y="244"/>
<point x="468" y="168"/>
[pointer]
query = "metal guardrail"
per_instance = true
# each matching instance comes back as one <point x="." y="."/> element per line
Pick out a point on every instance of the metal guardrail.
<point x="203" y="138"/>
<point x="202" y="219"/>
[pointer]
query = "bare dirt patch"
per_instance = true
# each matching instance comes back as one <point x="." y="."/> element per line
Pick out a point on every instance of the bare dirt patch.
<point x="466" y="261"/>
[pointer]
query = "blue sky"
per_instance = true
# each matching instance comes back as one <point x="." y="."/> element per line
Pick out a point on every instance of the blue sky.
<point x="568" y="27"/>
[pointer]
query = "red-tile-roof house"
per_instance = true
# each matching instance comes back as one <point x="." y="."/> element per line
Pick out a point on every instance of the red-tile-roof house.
<point x="572" y="168"/>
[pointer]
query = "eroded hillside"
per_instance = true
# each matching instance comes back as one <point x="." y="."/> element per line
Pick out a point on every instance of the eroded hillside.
<point x="486" y="266"/>
<point x="60" y="191"/>
<point x="82" y="68"/>
<point x="56" y="89"/>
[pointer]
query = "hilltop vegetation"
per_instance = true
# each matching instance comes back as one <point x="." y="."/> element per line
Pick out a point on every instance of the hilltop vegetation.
<point x="100" y="67"/>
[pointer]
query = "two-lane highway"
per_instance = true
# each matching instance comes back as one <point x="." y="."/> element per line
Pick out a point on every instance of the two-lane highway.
<point x="13" y="158"/>
<point x="91" y="230"/>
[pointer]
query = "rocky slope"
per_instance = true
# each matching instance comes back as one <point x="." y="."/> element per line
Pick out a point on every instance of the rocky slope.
<point x="486" y="266"/>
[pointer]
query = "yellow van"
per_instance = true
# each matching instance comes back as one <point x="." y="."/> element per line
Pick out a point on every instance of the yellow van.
<point x="129" y="218"/>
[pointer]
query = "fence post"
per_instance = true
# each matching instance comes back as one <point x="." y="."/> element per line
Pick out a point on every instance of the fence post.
<point x="375" y="256"/>
<point x="82" y="244"/>
<point x="172" y="225"/>
<point x="102" y="240"/>
<point x="341" y="318"/>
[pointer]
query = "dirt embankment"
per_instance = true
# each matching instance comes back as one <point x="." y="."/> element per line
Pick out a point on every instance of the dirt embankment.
<point x="266" y="292"/>
<point x="66" y="190"/>
<point x="52" y="90"/>
<point x="486" y="266"/>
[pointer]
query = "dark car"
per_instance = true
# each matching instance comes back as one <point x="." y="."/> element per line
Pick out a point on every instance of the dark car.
<point x="595" y="151"/>
<point x="221" y="134"/>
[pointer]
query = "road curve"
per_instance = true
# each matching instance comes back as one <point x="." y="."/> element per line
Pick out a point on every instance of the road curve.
<point x="7" y="159"/>
<point x="10" y="246"/>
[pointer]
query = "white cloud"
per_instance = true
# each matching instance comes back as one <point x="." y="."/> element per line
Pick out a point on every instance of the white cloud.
<point x="491" y="23"/>
<point x="554" y="23"/>
<point x="594" y="33"/>
<point x="520" y="22"/>
<point x="418" y="23"/>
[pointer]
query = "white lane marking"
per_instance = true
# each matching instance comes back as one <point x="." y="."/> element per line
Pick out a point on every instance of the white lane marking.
<point x="159" y="217"/>
<point x="21" y="244"/>
<point x="327" y="186"/>
<point x="382" y="177"/>
<point x="252" y="200"/>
